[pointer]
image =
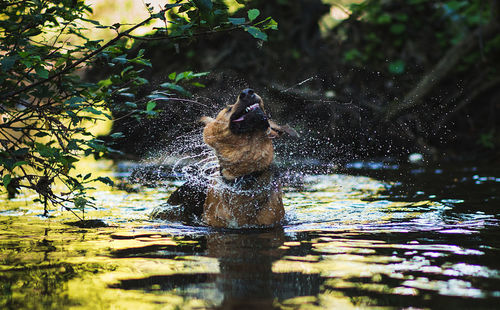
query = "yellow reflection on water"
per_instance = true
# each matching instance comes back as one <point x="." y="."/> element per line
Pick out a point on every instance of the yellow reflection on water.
<point x="78" y="266"/>
<point x="46" y="263"/>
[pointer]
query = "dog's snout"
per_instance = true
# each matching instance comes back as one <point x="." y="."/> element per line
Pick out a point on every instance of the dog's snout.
<point x="247" y="93"/>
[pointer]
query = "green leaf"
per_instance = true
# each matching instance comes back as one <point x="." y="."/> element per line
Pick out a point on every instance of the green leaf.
<point x="160" y="15"/>
<point x="156" y="96"/>
<point x="8" y="62"/>
<point x="19" y="163"/>
<point x="120" y="59"/>
<point x="269" y="23"/>
<point x="6" y="180"/>
<point x="183" y="75"/>
<point x="41" y="134"/>
<point x="69" y="159"/>
<point x="124" y="71"/>
<point x="105" y="180"/>
<point x="177" y="88"/>
<point x="402" y="17"/>
<point x="42" y="72"/>
<point x="8" y="163"/>
<point x="80" y="203"/>
<point x="150" y="106"/>
<point x="385" y="18"/>
<point x="21" y="152"/>
<point x="117" y="135"/>
<point x="397" y="67"/>
<point x="91" y="21"/>
<point x="172" y="76"/>
<point x="253" y="14"/>
<point x="197" y="84"/>
<point x="185" y="7"/>
<point x="74" y="100"/>
<point x="189" y="75"/>
<point x="200" y="74"/>
<point x="74" y="118"/>
<point x="27" y="63"/>
<point x="398" y="28"/>
<point x="169" y="6"/>
<point x="93" y="111"/>
<point x="204" y="5"/>
<point x="127" y="95"/>
<point x="72" y="145"/>
<point x="129" y="104"/>
<point x="352" y="54"/>
<point x="456" y="5"/>
<point x="256" y="33"/>
<point x="487" y="140"/>
<point x="45" y="151"/>
<point x="105" y="83"/>
<point x="141" y="61"/>
<point x="236" y="21"/>
<point x="141" y="81"/>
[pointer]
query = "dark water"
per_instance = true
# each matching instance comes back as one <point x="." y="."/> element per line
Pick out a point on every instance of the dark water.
<point x="373" y="236"/>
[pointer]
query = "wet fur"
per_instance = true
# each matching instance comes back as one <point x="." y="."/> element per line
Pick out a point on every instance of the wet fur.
<point x="238" y="155"/>
<point x="255" y="204"/>
<point x="248" y="193"/>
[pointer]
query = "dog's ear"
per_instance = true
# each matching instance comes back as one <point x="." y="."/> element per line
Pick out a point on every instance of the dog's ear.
<point x="206" y="120"/>
<point x="280" y="130"/>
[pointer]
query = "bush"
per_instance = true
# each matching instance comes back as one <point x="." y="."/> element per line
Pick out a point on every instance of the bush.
<point x="45" y="106"/>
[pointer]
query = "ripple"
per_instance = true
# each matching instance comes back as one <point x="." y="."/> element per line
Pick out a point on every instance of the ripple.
<point x="348" y="242"/>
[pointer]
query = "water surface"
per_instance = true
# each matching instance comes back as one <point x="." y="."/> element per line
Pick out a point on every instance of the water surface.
<point x="373" y="236"/>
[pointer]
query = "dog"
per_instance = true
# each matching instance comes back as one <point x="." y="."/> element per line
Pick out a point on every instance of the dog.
<point x="246" y="192"/>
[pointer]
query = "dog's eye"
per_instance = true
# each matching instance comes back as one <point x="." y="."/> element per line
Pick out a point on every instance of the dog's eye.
<point x="228" y="109"/>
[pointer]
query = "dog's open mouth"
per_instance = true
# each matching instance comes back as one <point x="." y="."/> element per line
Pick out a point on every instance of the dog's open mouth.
<point x="247" y="114"/>
<point x="249" y="109"/>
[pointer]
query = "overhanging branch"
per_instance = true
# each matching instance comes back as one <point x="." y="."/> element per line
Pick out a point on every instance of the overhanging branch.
<point x="443" y="68"/>
<point x="83" y="59"/>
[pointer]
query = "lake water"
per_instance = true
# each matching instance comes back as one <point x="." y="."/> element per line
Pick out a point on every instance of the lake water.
<point x="371" y="235"/>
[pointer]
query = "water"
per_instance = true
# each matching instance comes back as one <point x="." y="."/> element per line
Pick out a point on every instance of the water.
<point x="373" y="236"/>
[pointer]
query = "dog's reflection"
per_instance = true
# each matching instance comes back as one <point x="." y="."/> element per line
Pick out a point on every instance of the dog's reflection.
<point x="244" y="279"/>
<point x="245" y="260"/>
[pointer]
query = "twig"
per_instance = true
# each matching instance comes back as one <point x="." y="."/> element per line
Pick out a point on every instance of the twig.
<point x="182" y="100"/>
<point x="198" y="34"/>
<point x="464" y="102"/>
<point x="298" y="84"/>
<point x="76" y="63"/>
<point x="440" y="71"/>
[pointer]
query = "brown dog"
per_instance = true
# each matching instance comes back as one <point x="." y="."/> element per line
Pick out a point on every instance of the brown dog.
<point x="247" y="193"/>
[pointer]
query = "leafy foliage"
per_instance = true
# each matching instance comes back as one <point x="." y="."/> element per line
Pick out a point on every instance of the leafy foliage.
<point x="45" y="106"/>
<point x="392" y="23"/>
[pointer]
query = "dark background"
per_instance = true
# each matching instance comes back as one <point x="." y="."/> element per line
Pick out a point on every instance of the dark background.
<point x="393" y="78"/>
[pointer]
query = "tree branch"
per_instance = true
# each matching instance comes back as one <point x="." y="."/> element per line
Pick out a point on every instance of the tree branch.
<point x="197" y="34"/>
<point x="442" y="69"/>
<point x="476" y="91"/>
<point x="76" y="63"/>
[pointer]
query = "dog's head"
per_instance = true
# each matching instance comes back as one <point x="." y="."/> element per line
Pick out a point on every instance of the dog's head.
<point x="247" y="115"/>
<point x="241" y="136"/>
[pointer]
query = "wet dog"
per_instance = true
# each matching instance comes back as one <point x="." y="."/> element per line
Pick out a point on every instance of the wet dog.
<point x="247" y="191"/>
